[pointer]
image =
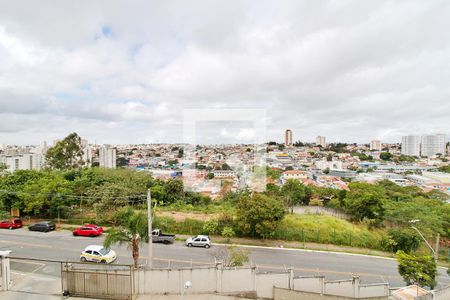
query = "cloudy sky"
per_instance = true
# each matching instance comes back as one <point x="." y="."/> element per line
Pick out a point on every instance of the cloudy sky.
<point x="348" y="70"/>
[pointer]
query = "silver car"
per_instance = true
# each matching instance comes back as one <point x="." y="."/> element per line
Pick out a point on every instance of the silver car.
<point x="198" y="241"/>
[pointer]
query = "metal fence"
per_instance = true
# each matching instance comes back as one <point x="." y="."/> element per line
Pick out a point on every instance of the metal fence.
<point x="104" y="282"/>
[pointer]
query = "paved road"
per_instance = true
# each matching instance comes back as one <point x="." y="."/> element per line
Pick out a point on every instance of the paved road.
<point x="61" y="245"/>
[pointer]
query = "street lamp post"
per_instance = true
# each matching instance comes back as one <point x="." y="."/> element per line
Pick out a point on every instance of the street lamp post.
<point x="150" y="240"/>
<point x="435" y="252"/>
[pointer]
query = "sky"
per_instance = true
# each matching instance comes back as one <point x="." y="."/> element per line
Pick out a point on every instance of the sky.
<point x="351" y="71"/>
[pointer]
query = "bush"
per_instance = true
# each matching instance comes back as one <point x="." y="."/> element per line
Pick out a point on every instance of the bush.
<point x="228" y="233"/>
<point x="315" y="202"/>
<point x="406" y="240"/>
<point x="211" y="227"/>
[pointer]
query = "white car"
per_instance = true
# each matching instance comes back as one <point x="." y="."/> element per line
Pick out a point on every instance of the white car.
<point x="198" y="241"/>
<point x="98" y="254"/>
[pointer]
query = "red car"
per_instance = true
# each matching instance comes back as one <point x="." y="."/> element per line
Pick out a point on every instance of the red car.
<point x="88" y="230"/>
<point x="11" y="224"/>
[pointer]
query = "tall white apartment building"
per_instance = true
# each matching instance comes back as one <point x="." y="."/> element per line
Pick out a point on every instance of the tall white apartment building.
<point x="320" y="141"/>
<point x="433" y="144"/>
<point x="375" y="145"/>
<point x="411" y="145"/>
<point x="30" y="161"/>
<point x="288" y="137"/>
<point x="87" y="156"/>
<point x="107" y="157"/>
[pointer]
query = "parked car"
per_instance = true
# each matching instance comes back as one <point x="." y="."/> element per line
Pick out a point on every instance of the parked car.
<point x="198" y="241"/>
<point x="88" y="230"/>
<point x="44" y="226"/>
<point x="98" y="254"/>
<point x="159" y="237"/>
<point x="11" y="224"/>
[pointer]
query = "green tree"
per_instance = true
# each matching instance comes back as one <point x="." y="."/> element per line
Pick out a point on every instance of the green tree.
<point x="417" y="269"/>
<point x="66" y="154"/>
<point x="365" y="201"/>
<point x="130" y="228"/>
<point x="294" y="192"/>
<point x="46" y="195"/>
<point x="259" y="215"/>
<point x="445" y="169"/>
<point x="228" y="233"/>
<point x="173" y="191"/>
<point x="385" y="155"/>
<point x="121" y="162"/>
<point x="225" y="166"/>
<point x="406" y="240"/>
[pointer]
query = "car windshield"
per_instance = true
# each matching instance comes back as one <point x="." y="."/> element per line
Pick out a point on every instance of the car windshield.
<point x="104" y="251"/>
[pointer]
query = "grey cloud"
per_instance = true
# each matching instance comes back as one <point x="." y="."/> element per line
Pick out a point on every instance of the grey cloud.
<point x="349" y="70"/>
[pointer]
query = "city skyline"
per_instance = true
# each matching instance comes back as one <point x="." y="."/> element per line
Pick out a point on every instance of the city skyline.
<point x="347" y="71"/>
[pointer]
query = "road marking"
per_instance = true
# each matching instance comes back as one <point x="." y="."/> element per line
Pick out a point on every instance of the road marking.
<point x="26" y="244"/>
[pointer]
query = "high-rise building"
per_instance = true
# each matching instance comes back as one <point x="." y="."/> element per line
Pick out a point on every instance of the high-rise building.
<point x="288" y="137"/>
<point x="375" y="145"/>
<point x="107" y="157"/>
<point x="433" y="144"/>
<point x="87" y="156"/>
<point x="320" y="141"/>
<point x="411" y="145"/>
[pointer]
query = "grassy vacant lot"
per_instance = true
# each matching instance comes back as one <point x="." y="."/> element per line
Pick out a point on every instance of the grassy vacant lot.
<point x="328" y="230"/>
<point x="302" y="228"/>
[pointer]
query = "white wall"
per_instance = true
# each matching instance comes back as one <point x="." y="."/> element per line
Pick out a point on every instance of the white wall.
<point x="266" y="282"/>
<point x="207" y="280"/>
<point x="373" y="290"/>
<point x="237" y="280"/>
<point x="340" y="288"/>
<point x="309" y="284"/>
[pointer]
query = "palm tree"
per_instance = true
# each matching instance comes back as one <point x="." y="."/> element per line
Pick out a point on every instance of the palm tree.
<point x="131" y="229"/>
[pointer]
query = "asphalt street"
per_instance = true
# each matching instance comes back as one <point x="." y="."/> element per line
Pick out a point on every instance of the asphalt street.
<point x="62" y="246"/>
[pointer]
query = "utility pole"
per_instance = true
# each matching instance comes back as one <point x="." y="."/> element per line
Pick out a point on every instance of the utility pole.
<point x="150" y="240"/>
<point x="436" y="248"/>
<point x="435" y="254"/>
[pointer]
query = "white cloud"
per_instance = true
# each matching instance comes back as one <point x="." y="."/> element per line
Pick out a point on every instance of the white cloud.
<point x="349" y="70"/>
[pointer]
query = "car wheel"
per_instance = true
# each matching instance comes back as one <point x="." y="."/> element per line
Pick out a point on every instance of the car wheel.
<point x="165" y="242"/>
<point x="91" y="235"/>
<point x="103" y="261"/>
<point x="75" y="234"/>
<point x="83" y="259"/>
<point x="189" y="245"/>
<point x="207" y="246"/>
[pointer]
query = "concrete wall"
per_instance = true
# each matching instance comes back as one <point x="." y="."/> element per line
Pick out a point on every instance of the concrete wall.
<point x="161" y="281"/>
<point x="237" y="280"/>
<point x="442" y="294"/>
<point x="266" y="282"/>
<point x="309" y="284"/>
<point x="286" y="294"/>
<point x="372" y="290"/>
<point x="346" y="288"/>
<point x="247" y="280"/>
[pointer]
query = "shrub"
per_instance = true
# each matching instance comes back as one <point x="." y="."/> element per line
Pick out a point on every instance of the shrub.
<point x="315" y="202"/>
<point x="211" y="226"/>
<point x="228" y="233"/>
<point x="402" y="239"/>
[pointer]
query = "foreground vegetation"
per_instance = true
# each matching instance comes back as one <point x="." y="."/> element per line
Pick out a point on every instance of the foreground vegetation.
<point x="380" y="213"/>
